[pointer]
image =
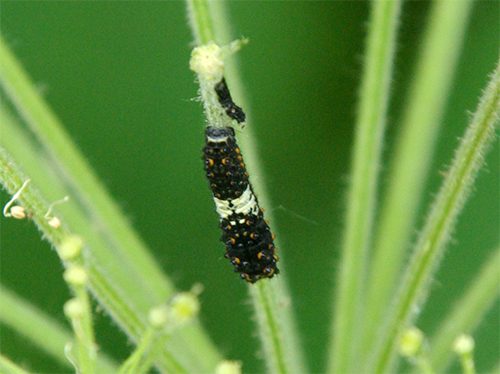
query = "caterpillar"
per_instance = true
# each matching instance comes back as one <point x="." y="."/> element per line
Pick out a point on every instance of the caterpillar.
<point x="227" y="103"/>
<point x="245" y="232"/>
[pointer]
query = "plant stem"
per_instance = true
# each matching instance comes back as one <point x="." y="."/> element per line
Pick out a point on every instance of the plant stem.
<point x="41" y="329"/>
<point x="413" y="155"/>
<point x="270" y="329"/>
<point x="84" y="335"/>
<point x="200" y="21"/>
<point x="132" y="363"/>
<point x="271" y="300"/>
<point x="370" y="127"/>
<point x="439" y="225"/>
<point x="88" y="189"/>
<point x="124" y="277"/>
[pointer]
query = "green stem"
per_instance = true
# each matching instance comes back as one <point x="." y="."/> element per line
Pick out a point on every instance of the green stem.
<point x="85" y="342"/>
<point x="88" y="191"/>
<point x="413" y="155"/>
<point x="41" y="329"/>
<point x="158" y="342"/>
<point x="439" y="225"/>
<point x="269" y="328"/>
<point x="131" y="365"/>
<point x="200" y="21"/>
<point x="124" y="277"/>
<point x="277" y="326"/>
<point x="79" y="309"/>
<point x="370" y="127"/>
<point x="120" y="304"/>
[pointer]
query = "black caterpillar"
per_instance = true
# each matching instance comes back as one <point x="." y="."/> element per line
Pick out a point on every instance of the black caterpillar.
<point x="246" y="234"/>
<point x="227" y="103"/>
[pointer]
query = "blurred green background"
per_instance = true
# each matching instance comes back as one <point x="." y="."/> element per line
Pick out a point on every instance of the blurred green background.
<point x="117" y="75"/>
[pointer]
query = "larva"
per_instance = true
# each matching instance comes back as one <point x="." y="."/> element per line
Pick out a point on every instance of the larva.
<point x="246" y="234"/>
